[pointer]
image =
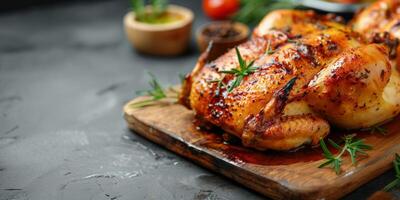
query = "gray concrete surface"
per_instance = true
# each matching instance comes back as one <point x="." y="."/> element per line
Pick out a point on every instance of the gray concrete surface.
<point x="66" y="70"/>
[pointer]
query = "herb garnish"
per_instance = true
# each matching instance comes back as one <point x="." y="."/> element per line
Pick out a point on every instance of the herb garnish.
<point x="138" y="8"/>
<point x="252" y="11"/>
<point x="244" y="70"/>
<point x="351" y="145"/>
<point x="378" y="129"/>
<point x="157" y="93"/>
<point x="396" y="182"/>
<point x="153" y="15"/>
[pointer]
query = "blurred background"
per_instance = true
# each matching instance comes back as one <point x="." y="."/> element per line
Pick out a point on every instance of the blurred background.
<point x="66" y="70"/>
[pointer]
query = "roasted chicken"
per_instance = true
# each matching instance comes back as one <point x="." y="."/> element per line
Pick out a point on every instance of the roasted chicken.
<point x="313" y="72"/>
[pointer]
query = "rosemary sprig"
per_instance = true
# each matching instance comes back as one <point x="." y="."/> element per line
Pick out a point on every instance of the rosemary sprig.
<point x="395" y="183"/>
<point x="244" y="70"/>
<point x="335" y="161"/>
<point x="138" y="8"/>
<point x="156" y="93"/>
<point x="252" y="11"/>
<point x="158" y="7"/>
<point x="378" y="129"/>
<point x="351" y="145"/>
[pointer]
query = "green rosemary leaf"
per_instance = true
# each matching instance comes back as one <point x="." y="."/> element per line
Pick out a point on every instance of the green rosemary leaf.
<point x="138" y="8"/>
<point x="391" y="185"/>
<point x="352" y="146"/>
<point x="336" y="165"/>
<point x="242" y="63"/>
<point x="156" y="93"/>
<point x="236" y="82"/>
<point x="379" y="129"/>
<point x="143" y="103"/>
<point x="328" y="162"/>
<point x="395" y="183"/>
<point x="159" y="6"/>
<point x="325" y="149"/>
<point x="397" y="164"/>
<point x="333" y="161"/>
<point x="360" y="151"/>
<point x="353" y="155"/>
<point x="239" y="74"/>
<point x="250" y="65"/>
<point x="376" y="129"/>
<point x="252" y="69"/>
<point x="214" y="81"/>
<point x="232" y="71"/>
<point x="334" y="144"/>
<point x="252" y="11"/>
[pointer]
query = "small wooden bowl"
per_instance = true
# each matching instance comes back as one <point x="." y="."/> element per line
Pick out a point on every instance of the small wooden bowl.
<point x="221" y="44"/>
<point x="167" y="39"/>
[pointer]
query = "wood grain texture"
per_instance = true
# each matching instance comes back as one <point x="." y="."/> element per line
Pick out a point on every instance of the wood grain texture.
<point x="171" y="125"/>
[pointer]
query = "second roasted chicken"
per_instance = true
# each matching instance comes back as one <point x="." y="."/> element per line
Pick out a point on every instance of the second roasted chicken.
<point x="305" y="73"/>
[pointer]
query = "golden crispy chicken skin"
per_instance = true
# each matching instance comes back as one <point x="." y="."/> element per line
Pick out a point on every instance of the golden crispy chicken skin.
<point x="312" y="72"/>
<point x="380" y="23"/>
<point x="381" y="16"/>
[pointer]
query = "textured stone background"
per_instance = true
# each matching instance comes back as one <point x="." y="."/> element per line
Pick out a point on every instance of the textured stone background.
<point x="66" y="70"/>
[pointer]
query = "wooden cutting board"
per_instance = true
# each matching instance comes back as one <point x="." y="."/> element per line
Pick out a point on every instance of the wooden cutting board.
<point x="278" y="175"/>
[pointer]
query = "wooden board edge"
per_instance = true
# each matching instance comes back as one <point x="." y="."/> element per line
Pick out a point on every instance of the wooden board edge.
<point x="270" y="189"/>
<point x="273" y="189"/>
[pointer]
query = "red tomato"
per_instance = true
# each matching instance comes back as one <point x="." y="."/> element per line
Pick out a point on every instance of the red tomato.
<point x="220" y="9"/>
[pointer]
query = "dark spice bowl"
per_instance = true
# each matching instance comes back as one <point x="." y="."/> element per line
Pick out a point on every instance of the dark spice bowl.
<point x="224" y="35"/>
